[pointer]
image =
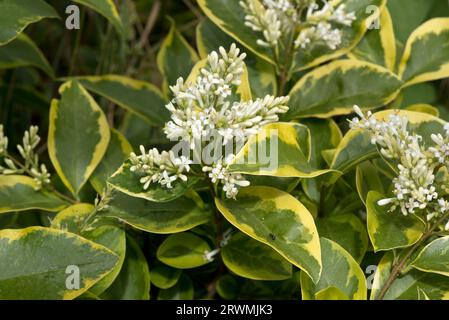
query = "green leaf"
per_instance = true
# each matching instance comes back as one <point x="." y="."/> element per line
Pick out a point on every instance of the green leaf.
<point x="169" y="217"/>
<point x="182" y="290"/>
<point x="262" y="75"/>
<point x="335" y="88"/>
<point x="340" y="270"/>
<point x="426" y="53"/>
<point x="434" y="257"/>
<point x="319" y="53"/>
<point x="390" y="230"/>
<point x="35" y="260"/>
<point x="114" y="239"/>
<point x="183" y="251"/>
<point x="139" y="97"/>
<point x="288" y="146"/>
<point x="133" y="281"/>
<point x="251" y="259"/>
<point x="378" y="45"/>
<point x="78" y="135"/>
<point x="15" y="16"/>
<point x="128" y="182"/>
<point x="331" y="293"/>
<point x="424" y="108"/>
<point x="369" y="178"/>
<point x="23" y="52"/>
<point x="118" y="151"/>
<point x="164" y="277"/>
<point x="227" y="287"/>
<point x="411" y="285"/>
<point x="72" y="218"/>
<point x="277" y="219"/>
<point x="107" y="9"/>
<point x="18" y="193"/>
<point x="348" y="231"/>
<point x="175" y="58"/>
<point x="230" y="17"/>
<point x="356" y="145"/>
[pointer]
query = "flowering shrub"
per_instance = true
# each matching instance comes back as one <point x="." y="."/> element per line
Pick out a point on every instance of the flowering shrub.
<point x="161" y="161"/>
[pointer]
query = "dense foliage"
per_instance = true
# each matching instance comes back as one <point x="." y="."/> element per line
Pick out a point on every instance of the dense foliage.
<point x="224" y="149"/>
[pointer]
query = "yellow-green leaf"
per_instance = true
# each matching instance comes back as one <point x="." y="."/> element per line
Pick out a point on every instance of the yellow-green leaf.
<point x="252" y="259"/>
<point x="118" y="151"/>
<point x="335" y="88"/>
<point x="390" y="230"/>
<point x="23" y="52"/>
<point x="175" y="58"/>
<point x="16" y="15"/>
<point x="128" y="182"/>
<point x="178" y="215"/>
<point x="378" y="45"/>
<point x="331" y="293"/>
<point x="107" y="9"/>
<point x="434" y="257"/>
<point x="183" y="251"/>
<point x="164" y="277"/>
<point x="133" y="281"/>
<point x="340" y="270"/>
<point x="18" y="193"/>
<point x="35" y="261"/>
<point x="279" y="220"/>
<point x="72" y="218"/>
<point x="426" y="55"/>
<point x="78" y="135"/>
<point x="139" y="97"/>
<point x="288" y="148"/>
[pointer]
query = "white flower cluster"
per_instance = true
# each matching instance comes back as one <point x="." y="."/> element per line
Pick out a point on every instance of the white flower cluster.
<point x="27" y="151"/>
<point x="205" y="108"/>
<point x="414" y="187"/>
<point x="163" y="168"/>
<point x="284" y="17"/>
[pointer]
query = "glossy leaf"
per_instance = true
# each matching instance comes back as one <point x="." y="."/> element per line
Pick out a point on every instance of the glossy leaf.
<point x="378" y="45"/>
<point x="15" y="16"/>
<point x="390" y="230"/>
<point x="175" y="58"/>
<point x="288" y="146"/>
<point x="279" y="220"/>
<point x="139" y="97"/>
<point x="18" y="193"/>
<point x="23" y="52"/>
<point x="183" y="251"/>
<point x="78" y="135"/>
<point x="251" y="259"/>
<point x="169" y="217"/>
<point x="340" y="270"/>
<point x="133" y="281"/>
<point x="182" y="290"/>
<point x="35" y="261"/>
<point x="118" y="151"/>
<point x="348" y="231"/>
<point x="331" y="293"/>
<point x="107" y="9"/>
<point x="128" y="182"/>
<point x="71" y="219"/>
<point x="335" y="88"/>
<point x="434" y="257"/>
<point x="164" y="277"/>
<point x="426" y="53"/>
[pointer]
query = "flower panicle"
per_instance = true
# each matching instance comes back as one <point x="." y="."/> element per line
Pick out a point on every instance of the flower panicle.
<point x="414" y="186"/>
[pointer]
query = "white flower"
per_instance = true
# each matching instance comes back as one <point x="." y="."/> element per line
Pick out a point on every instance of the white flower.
<point x="206" y="108"/>
<point x="414" y="187"/>
<point x="3" y="142"/>
<point x="273" y="19"/>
